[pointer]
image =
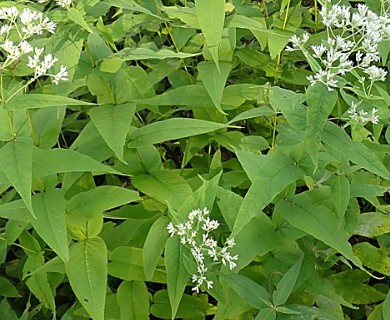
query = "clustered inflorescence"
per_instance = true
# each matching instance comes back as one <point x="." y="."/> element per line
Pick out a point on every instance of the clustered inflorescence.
<point x="16" y="29"/>
<point x="353" y="38"/>
<point x="195" y="233"/>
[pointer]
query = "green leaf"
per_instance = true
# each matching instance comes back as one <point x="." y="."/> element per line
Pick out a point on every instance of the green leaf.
<point x="16" y="163"/>
<point x="373" y="257"/>
<point x="171" y="129"/>
<point x="164" y="186"/>
<point x="371" y="224"/>
<point x="154" y="245"/>
<point x="147" y="54"/>
<point x="286" y="284"/>
<point x="47" y="162"/>
<point x="318" y="221"/>
<point x="130" y="5"/>
<point x="358" y="153"/>
<point x="214" y="80"/>
<point x="183" y="95"/>
<point x="49" y="208"/>
<point x="266" y="314"/>
<point x="133" y="300"/>
<point x="34" y="101"/>
<point x="15" y="210"/>
<point x="386" y="306"/>
<point x="248" y="290"/>
<point x="76" y="16"/>
<point x="113" y="123"/>
<point x="6" y="312"/>
<point x="340" y="195"/>
<point x="275" y="174"/>
<point x="320" y="102"/>
<point x="87" y="274"/>
<point x="252" y="113"/>
<point x="7" y="289"/>
<point x="177" y="275"/>
<point x="100" y="199"/>
<point x="211" y="17"/>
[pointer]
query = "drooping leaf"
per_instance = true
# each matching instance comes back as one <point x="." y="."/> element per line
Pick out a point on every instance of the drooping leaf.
<point x="49" y="208"/>
<point x="276" y="173"/>
<point x="7" y="289"/>
<point x="373" y="257"/>
<point x="386" y="307"/>
<point x="286" y="284"/>
<point x="177" y="275"/>
<point x="113" y="123"/>
<point x="87" y="274"/>
<point x="214" y="80"/>
<point x="100" y="199"/>
<point x="36" y="100"/>
<point x="16" y="163"/>
<point x="318" y="221"/>
<point x="133" y="300"/>
<point x="154" y="245"/>
<point x="356" y="152"/>
<point x="211" y="17"/>
<point x="130" y="5"/>
<point x="172" y="129"/>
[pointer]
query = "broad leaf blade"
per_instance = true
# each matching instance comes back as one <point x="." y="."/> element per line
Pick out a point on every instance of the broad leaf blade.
<point x="87" y="274"/>
<point x="133" y="300"/>
<point x="320" y="102"/>
<point x="177" y="274"/>
<point x="76" y="16"/>
<point x="50" y="224"/>
<point x="214" y="80"/>
<point x="113" y="123"/>
<point x="100" y="199"/>
<point x="16" y="163"/>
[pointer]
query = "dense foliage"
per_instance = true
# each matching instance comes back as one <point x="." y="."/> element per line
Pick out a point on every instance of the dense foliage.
<point x="197" y="159"/>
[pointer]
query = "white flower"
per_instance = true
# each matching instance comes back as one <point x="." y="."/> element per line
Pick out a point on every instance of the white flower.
<point x="195" y="234"/>
<point x="25" y="47"/>
<point x="9" y="13"/>
<point x="362" y="116"/>
<point x="13" y="52"/>
<point x="64" y="3"/>
<point x="376" y="73"/>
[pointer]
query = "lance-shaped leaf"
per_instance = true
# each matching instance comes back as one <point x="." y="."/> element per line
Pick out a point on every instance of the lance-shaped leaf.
<point x="214" y="80"/>
<point x="76" y="16"/>
<point x="87" y="274"/>
<point x="46" y="162"/>
<point x="49" y="208"/>
<point x="33" y="101"/>
<point x="340" y="195"/>
<point x="317" y="221"/>
<point x="211" y="17"/>
<point x="113" y="123"/>
<point x="154" y="245"/>
<point x="172" y="129"/>
<point x="147" y="54"/>
<point x="286" y="284"/>
<point x="356" y="152"/>
<point x="320" y="102"/>
<point x="276" y="173"/>
<point x="16" y="163"/>
<point x="177" y="274"/>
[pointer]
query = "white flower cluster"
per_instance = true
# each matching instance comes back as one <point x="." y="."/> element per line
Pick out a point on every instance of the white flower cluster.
<point x="27" y="24"/>
<point x="64" y="3"/>
<point x="362" y="116"/>
<point x="195" y="233"/>
<point x="354" y="46"/>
